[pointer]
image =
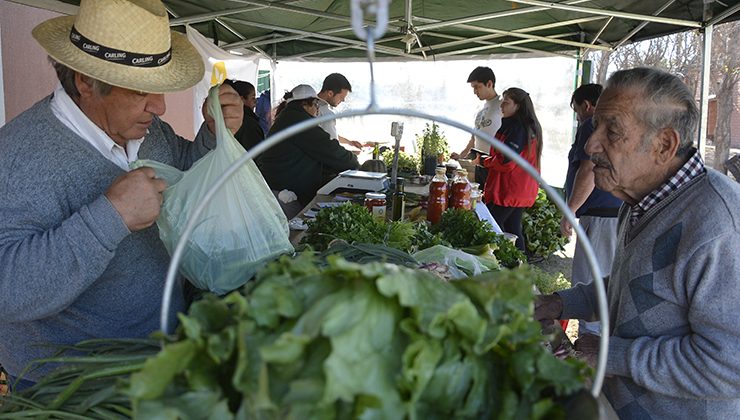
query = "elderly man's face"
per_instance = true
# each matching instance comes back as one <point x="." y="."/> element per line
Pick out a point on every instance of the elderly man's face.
<point x="124" y="114"/>
<point x="620" y="147"/>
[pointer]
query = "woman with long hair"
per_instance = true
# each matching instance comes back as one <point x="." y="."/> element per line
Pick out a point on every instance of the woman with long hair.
<point x="509" y="189"/>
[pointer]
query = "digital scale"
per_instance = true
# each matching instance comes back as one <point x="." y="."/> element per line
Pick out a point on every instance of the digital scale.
<point x="355" y="180"/>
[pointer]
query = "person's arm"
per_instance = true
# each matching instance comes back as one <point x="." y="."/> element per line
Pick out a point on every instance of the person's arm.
<point x="316" y="143"/>
<point x="583" y="185"/>
<point x="513" y="135"/>
<point x="465" y="151"/>
<point x="703" y="361"/>
<point x="354" y="143"/>
<point x="49" y="255"/>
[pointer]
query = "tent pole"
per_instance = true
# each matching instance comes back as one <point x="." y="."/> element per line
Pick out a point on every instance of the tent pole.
<point x="705" y="70"/>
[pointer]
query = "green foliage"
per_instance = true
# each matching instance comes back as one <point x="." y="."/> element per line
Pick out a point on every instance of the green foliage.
<point x="432" y="141"/>
<point x="407" y="164"/>
<point x="350" y="222"/>
<point x="340" y="341"/>
<point x="549" y="283"/>
<point x="354" y="224"/>
<point x="462" y="228"/>
<point x="541" y="225"/>
<point x="507" y="253"/>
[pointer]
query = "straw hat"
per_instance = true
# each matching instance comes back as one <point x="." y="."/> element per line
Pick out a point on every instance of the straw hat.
<point x="302" y="92"/>
<point x="123" y="43"/>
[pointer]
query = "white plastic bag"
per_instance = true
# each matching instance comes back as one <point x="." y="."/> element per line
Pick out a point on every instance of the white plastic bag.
<point x="240" y="230"/>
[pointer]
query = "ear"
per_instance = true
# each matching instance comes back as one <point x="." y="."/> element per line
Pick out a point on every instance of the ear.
<point x="665" y="145"/>
<point x="589" y="106"/>
<point x="489" y="84"/>
<point x="84" y="85"/>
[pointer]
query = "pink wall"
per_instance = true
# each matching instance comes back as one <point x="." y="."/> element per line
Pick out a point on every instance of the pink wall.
<point x="28" y="76"/>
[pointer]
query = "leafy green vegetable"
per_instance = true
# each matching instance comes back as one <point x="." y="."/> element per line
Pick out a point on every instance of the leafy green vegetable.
<point x="350" y="222"/>
<point x="342" y="341"/>
<point x="548" y="283"/>
<point x="407" y="164"/>
<point x="462" y="228"/>
<point x="541" y="225"/>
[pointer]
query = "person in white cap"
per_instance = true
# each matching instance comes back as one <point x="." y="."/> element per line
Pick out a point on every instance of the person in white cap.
<point x="80" y="256"/>
<point x="307" y="160"/>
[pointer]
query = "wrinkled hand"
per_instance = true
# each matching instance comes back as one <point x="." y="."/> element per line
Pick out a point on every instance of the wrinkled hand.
<point x="587" y="348"/>
<point x="547" y="308"/>
<point x="566" y="228"/>
<point x="137" y="197"/>
<point x="231" y="106"/>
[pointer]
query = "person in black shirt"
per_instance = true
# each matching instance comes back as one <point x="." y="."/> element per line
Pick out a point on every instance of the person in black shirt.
<point x="250" y="133"/>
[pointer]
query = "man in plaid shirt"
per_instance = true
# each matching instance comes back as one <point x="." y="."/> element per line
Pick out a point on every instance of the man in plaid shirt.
<point x="674" y="288"/>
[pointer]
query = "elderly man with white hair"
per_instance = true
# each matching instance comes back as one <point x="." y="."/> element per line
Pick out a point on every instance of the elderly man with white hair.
<point x="80" y="256"/>
<point x="674" y="286"/>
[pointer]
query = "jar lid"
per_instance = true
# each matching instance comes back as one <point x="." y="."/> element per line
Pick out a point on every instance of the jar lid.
<point x="375" y="196"/>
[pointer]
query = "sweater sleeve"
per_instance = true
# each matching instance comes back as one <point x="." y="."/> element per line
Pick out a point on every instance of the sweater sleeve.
<point x="580" y="302"/>
<point x="703" y="362"/>
<point x="45" y="267"/>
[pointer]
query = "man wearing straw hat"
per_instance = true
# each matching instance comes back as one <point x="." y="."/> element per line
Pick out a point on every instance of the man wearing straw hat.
<point x="673" y="291"/>
<point x="80" y="256"/>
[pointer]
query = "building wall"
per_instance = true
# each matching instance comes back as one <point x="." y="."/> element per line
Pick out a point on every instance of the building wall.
<point x="28" y="76"/>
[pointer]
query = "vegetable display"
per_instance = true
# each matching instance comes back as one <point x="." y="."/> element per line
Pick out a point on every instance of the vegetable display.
<point x="541" y="225"/>
<point x="408" y="165"/>
<point x="373" y="341"/>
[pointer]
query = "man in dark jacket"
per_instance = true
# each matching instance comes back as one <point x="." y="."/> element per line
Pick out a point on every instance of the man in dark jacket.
<point x="305" y="161"/>
<point x="250" y="133"/>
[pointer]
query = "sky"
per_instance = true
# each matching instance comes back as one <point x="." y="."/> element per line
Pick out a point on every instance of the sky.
<point x="440" y="88"/>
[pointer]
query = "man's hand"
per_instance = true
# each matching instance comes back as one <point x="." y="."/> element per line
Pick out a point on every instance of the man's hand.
<point x="231" y="106"/>
<point x="548" y="308"/>
<point x="565" y="227"/>
<point x="587" y="348"/>
<point x="137" y="196"/>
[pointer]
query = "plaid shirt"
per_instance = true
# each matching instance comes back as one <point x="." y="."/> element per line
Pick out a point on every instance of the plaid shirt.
<point x="691" y="169"/>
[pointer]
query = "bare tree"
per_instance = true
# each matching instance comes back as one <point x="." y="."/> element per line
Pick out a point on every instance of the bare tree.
<point x="725" y="75"/>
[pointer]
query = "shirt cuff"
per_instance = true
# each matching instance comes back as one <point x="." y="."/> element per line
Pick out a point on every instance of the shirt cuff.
<point x="576" y="303"/>
<point x="106" y="223"/>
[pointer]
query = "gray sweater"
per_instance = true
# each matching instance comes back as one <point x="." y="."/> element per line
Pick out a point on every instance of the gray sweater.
<point x="674" y="306"/>
<point x="70" y="269"/>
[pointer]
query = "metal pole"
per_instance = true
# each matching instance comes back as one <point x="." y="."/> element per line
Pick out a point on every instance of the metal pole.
<point x="704" y="101"/>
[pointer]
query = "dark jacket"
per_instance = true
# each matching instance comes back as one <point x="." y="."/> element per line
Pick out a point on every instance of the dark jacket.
<point x="306" y="161"/>
<point x="250" y="133"/>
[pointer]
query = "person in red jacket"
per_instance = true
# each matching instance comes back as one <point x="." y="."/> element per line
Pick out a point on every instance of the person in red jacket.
<point x="509" y="190"/>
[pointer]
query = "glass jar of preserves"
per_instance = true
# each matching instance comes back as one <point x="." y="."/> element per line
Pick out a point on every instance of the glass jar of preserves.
<point x="437" y="203"/>
<point x="376" y="203"/>
<point x="461" y="191"/>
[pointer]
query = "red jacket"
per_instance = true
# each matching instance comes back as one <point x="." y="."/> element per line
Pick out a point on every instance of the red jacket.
<point x="507" y="184"/>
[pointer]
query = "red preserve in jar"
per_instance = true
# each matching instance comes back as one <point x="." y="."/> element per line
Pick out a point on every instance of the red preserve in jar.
<point x="375" y="203"/>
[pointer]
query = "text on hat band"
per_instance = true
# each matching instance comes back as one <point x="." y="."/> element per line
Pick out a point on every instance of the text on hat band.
<point x="118" y="56"/>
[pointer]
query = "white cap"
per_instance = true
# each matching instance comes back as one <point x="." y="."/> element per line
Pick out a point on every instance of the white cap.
<point x="302" y="92"/>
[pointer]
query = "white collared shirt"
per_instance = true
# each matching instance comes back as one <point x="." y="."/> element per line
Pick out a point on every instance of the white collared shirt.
<point x="328" y="126"/>
<point x="67" y="111"/>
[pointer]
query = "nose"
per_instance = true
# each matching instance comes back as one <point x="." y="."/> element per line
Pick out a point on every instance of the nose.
<point x="593" y="145"/>
<point x="155" y="104"/>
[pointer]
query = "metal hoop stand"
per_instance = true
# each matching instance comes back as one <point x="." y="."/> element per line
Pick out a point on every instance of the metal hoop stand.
<point x="373" y="109"/>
